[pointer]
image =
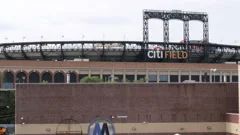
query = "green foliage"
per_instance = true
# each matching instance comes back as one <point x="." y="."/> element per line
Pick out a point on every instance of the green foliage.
<point x="125" y="80"/>
<point x="44" y="81"/>
<point x="7" y="107"/>
<point x="91" y="79"/>
<point x="141" y="80"/>
<point x="2" y="77"/>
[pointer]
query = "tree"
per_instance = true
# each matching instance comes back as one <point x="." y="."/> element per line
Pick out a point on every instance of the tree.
<point x="44" y="81"/>
<point x="142" y="80"/>
<point x="1" y="79"/>
<point x="7" y="107"/>
<point x="125" y="80"/>
<point x="91" y="79"/>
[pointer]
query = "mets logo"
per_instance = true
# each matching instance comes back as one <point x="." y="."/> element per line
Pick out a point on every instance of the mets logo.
<point x="101" y="126"/>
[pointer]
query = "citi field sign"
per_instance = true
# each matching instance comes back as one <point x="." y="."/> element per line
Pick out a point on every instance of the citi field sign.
<point x="160" y="53"/>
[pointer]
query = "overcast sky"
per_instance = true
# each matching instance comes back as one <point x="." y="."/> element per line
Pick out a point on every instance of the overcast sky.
<point x="112" y="19"/>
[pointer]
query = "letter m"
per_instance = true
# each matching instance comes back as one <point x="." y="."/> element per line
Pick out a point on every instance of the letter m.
<point x="98" y="131"/>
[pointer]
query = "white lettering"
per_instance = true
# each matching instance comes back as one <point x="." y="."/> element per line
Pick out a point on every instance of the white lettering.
<point x="155" y="54"/>
<point x="149" y="54"/>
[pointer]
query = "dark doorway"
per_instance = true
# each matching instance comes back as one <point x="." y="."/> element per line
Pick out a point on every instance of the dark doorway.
<point x="21" y="77"/>
<point x="47" y="77"/>
<point x="59" y="78"/>
<point x="73" y="78"/>
<point x="34" y="78"/>
<point x="8" y="80"/>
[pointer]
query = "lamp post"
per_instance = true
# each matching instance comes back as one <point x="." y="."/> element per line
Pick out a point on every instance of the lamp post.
<point x="41" y="38"/>
<point x="6" y="39"/>
<point x="83" y="37"/>
<point x="23" y="38"/>
<point x="213" y="70"/>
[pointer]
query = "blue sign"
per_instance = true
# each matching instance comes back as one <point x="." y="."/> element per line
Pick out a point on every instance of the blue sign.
<point x="101" y="126"/>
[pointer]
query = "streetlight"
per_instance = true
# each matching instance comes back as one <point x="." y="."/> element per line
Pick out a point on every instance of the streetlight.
<point x="83" y="36"/>
<point x="213" y="70"/>
<point x="23" y="38"/>
<point x="6" y="39"/>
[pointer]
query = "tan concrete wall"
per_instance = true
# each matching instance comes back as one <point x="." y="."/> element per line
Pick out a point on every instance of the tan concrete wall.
<point x="134" y="128"/>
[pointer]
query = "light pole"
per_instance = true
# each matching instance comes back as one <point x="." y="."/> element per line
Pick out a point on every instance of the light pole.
<point x="41" y="38"/>
<point x="83" y="37"/>
<point x="23" y="38"/>
<point x="6" y="39"/>
<point x="213" y="70"/>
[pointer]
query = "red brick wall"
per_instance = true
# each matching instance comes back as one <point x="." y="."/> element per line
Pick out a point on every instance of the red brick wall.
<point x="201" y="102"/>
<point x="232" y="118"/>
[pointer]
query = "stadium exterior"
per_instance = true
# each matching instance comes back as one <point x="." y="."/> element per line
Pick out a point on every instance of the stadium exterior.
<point x="19" y="71"/>
<point x="187" y="87"/>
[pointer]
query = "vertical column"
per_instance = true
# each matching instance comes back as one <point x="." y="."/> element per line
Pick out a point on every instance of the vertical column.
<point x="168" y="76"/>
<point x="205" y="29"/>
<point x="145" y="35"/>
<point x="220" y="76"/>
<point x="112" y="76"/>
<point x="135" y="76"/>
<point x="179" y="76"/>
<point x="65" y="76"/>
<point x="146" y="78"/>
<point x="145" y="28"/>
<point x="211" y="75"/>
<point x="238" y="92"/>
<point x="68" y="77"/>
<point x="77" y="77"/>
<point x="53" y="75"/>
<point x="186" y="36"/>
<point x="166" y="31"/>
<point x="190" y="75"/>
<point x="200" y="76"/>
<point x="186" y="30"/>
<point x="40" y="77"/>
<point x="89" y="72"/>
<point x="27" y="75"/>
<point x="124" y="75"/>
<point x="231" y="76"/>
<point x="101" y="74"/>
<point x="158" y="76"/>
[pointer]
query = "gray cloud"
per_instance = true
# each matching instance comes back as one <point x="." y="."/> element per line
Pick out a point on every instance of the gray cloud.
<point x="114" y="18"/>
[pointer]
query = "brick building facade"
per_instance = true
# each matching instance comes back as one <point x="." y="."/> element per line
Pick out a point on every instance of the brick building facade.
<point x="200" y="108"/>
<point x="56" y="71"/>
